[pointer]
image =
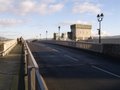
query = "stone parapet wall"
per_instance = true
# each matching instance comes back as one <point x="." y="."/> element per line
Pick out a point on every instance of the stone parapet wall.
<point x="6" y="46"/>
<point x="106" y="49"/>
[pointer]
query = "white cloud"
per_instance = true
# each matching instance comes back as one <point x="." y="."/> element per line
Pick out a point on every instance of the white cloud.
<point x="27" y="7"/>
<point x="56" y="7"/>
<point x="24" y="7"/>
<point x="65" y="23"/>
<point x="86" y="7"/>
<point x="48" y="1"/>
<point x="42" y="9"/>
<point x="11" y="22"/>
<point x="82" y="22"/>
<point x="45" y="8"/>
<point x="5" y="5"/>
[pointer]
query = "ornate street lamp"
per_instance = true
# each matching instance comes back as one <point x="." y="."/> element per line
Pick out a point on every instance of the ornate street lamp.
<point x="100" y="18"/>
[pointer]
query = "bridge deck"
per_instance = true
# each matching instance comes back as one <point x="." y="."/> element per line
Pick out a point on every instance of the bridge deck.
<point x="10" y="69"/>
<point x="70" y="69"/>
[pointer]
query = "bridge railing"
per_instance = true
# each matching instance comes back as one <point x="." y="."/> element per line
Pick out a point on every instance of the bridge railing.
<point x="107" y="49"/>
<point x="7" y="46"/>
<point x="35" y="80"/>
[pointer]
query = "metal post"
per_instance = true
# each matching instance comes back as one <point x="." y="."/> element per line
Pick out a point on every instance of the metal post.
<point x="100" y="18"/>
<point x="46" y="34"/>
<point x="59" y="31"/>
<point x="99" y="31"/>
<point x="40" y="36"/>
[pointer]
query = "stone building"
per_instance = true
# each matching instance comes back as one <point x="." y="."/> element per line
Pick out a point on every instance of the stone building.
<point x="80" y="31"/>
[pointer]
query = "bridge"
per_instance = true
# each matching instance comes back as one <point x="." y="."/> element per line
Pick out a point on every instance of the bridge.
<point x="59" y="65"/>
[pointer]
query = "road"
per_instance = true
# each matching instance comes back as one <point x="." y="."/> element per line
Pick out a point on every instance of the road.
<point x="70" y="69"/>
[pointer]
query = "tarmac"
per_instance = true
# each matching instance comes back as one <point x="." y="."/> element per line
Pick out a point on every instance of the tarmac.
<point x="12" y="70"/>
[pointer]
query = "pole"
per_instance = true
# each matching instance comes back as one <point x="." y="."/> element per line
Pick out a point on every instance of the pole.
<point x="59" y="32"/>
<point x="46" y="34"/>
<point x="40" y="36"/>
<point x="99" y="31"/>
<point x="100" y="18"/>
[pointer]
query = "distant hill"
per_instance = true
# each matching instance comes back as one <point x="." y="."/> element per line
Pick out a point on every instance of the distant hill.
<point x="117" y="36"/>
<point x="107" y="37"/>
<point x="3" y="38"/>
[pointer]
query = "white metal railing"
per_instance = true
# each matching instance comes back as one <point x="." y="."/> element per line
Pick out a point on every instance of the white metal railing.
<point x="35" y="80"/>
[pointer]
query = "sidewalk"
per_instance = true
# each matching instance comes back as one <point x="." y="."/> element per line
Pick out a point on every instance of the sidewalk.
<point x="11" y="67"/>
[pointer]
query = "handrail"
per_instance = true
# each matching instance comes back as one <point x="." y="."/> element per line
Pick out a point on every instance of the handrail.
<point x="33" y="59"/>
<point x="41" y="81"/>
<point x="35" y="80"/>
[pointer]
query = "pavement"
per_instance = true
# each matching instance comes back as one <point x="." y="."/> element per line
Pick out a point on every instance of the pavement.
<point x="11" y="70"/>
<point x="70" y="69"/>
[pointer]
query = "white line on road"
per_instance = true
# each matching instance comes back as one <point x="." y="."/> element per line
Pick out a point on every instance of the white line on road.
<point x="52" y="49"/>
<point x="115" y="75"/>
<point x="55" y="50"/>
<point x="72" y="58"/>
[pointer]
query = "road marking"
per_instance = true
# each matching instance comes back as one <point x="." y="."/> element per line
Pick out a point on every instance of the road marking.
<point x="47" y="47"/>
<point x="72" y="58"/>
<point x="55" y="50"/>
<point x="115" y="75"/>
<point x="52" y="49"/>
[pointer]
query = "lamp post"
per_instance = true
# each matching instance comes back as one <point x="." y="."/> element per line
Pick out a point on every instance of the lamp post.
<point x="100" y="18"/>
<point x="40" y="36"/>
<point x="59" y="32"/>
<point x="46" y="34"/>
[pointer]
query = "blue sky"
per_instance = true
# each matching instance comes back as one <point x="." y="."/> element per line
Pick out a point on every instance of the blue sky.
<point x="30" y="18"/>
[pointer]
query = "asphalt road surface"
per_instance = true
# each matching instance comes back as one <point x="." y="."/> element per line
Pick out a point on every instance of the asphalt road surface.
<point x="70" y="69"/>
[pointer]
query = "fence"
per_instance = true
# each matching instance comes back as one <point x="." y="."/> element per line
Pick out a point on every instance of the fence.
<point x="35" y="80"/>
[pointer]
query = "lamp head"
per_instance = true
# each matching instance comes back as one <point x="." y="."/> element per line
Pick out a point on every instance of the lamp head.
<point x="102" y="15"/>
<point x="59" y="27"/>
<point x="98" y="16"/>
